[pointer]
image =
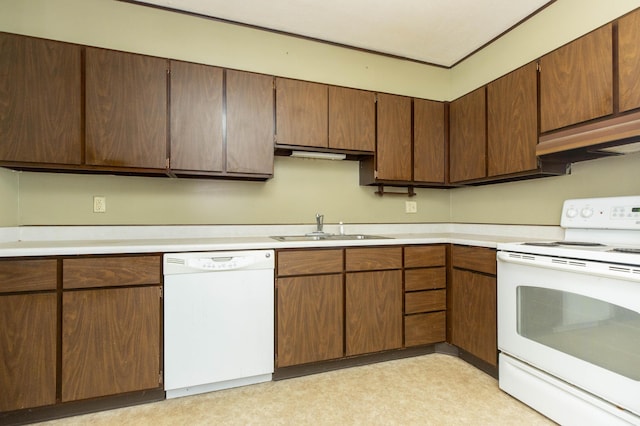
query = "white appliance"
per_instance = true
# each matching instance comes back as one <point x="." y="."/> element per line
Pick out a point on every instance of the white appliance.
<point x="218" y="320"/>
<point x="569" y="316"/>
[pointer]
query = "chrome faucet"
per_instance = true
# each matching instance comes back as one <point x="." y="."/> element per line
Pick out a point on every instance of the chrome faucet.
<point x="319" y="222"/>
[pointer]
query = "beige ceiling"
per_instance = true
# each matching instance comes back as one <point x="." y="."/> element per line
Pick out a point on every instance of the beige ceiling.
<point x="440" y="32"/>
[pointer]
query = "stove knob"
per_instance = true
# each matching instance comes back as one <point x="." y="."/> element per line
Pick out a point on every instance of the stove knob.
<point x="571" y="213"/>
<point x="586" y="212"/>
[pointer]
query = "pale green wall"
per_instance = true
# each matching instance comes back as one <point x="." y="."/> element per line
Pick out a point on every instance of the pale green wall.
<point x="300" y="187"/>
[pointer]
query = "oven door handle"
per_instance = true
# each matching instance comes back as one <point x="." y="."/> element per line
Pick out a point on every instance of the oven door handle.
<point x="607" y="270"/>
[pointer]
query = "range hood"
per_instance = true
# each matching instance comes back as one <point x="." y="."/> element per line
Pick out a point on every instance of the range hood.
<point x="613" y="136"/>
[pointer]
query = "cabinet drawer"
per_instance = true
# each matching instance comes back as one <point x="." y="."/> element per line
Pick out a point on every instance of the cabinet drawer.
<point x="417" y="256"/>
<point x="425" y="301"/>
<point x="28" y="275"/>
<point x="111" y="271"/>
<point x="302" y="262"/>
<point x="366" y="259"/>
<point x="479" y="259"/>
<point x="425" y="279"/>
<point x="423" y="329"/>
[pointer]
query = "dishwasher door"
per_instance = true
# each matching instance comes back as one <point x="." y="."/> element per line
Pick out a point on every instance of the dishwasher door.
<point x="218" y="324"/>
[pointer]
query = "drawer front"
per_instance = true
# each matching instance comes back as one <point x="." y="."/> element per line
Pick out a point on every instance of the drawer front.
<point x="28" y="275"/>
<point x="111" y="271"/>
<point x="424" y="256"/>
<point x="425" y="301"/>
<point x="305" y="262"/>
<point x="425" y="279"/>
<point x="423" y="329"/>
<point x="479" y="259"/>
<point x="368" y="259"/>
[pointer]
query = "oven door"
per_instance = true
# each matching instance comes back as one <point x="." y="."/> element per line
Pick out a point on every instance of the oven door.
<point x="576" y="320"/>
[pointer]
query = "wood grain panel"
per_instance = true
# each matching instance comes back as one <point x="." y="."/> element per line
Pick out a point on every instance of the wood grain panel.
<point x="27" y="351"/>
<point x="373" y="311"/>
<point x="111" y="271"/>
<point x="302" y="116"/>
<point x="424" y="329"/>
<point x="467" y="137"/>
<point x="629" y="61"/>
<point x="40" y="100"/>
<point x="310" y="319"/>
<point x="576" y="81"/>
<point x="512" y="122"/>
<point x="196" y="117"/>
<point x="373" y="258"/>
<point x="250" y="126"/>
<point x="394" y="150"/>
<point x="473" y="314"/>
<point x="425" y="279"/>
<point x="304" y="262"/>
<point x="421" y="256"/>
<point x="352" y="119"/>
<point x="480" y="259"/>
<point x="28" y="275"/>
<point x="428" y="141"/>
<point x="425" y="301"/>
<point x="126" y="109"/>
<point x="110" y="341"/>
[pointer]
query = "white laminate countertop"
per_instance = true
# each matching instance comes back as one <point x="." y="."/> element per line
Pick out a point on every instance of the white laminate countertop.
<point x="81" y="240"/>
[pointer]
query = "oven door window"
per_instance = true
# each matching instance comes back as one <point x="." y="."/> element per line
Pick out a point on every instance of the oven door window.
<point x="592" y="330"/>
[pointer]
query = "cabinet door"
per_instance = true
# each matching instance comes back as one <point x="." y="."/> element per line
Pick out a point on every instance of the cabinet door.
<point x="629" y="61"/>
<point x="27" y="350"/>
<point x="576" y="81"/>
<point x="373" y="311"/>
<point x="428" y="141"/>
<point x="468" y="141"/>
<point x="250" y="125"/>
<point x="473" y="314"/>
<point x="301" y="113"/>
<point x="196" y="117"/>
<point x="310" y="319"/>
<point x="512" y="122"/>
<point x="126" y="109"/>
<point x="352" y="119"/>
<point x="40" y="111"/>
<point x="110" y="341"/>
<point x="393" y="153"/>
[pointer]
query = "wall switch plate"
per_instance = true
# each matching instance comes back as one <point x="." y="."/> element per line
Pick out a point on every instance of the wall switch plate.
<point x="410" y="207"/>
<point x="99" y="204"/>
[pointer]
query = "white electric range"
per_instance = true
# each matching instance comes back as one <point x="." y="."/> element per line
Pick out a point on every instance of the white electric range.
<point x="569" y="316"/>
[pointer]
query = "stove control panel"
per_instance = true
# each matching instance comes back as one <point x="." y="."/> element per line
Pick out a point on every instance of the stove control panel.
<point x="602" y="213"/>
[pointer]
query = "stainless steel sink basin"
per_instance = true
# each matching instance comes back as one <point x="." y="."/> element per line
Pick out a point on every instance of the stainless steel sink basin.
<point x="329" y="237"/>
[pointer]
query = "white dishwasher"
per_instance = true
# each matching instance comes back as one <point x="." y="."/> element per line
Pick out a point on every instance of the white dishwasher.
<point x="218" y="320"/>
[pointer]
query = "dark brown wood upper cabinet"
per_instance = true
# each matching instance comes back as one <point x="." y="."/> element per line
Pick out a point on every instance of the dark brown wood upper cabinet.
<point x="196" y="117"/>
<point x="467" y="138"/>
<point x="629" y="61"/>
<point x="352" y="119"/>
<point x="250" y="126"/>
<point x="126" y="109"/>
<point x="301" y="113"/>
<point x="393" y="153"/>
<point x="429" y="161"/>
<point x="40" y="101"/>
<point x="576" y="81"/>
<point x="512" y="122"/>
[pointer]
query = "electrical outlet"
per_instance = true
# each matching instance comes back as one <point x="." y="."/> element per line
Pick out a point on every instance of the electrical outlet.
<point x="410" y="207"/>
<point x="99" y="204"/>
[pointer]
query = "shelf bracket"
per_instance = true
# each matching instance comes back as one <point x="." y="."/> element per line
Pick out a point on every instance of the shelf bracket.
<point x="380" y="192"/>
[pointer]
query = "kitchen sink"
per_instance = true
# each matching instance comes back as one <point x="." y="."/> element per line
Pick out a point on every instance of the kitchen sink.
<point x="329" y="237"/>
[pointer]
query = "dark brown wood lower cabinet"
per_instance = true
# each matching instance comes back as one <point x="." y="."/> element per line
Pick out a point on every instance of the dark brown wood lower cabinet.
<point x="373" y="311"/>
<point x="473" y="314"/>
<point x="423" y="329"/>
<point x="110" y="341"/>
<point x="310" y="319"/>
<point x="27" y="350"/>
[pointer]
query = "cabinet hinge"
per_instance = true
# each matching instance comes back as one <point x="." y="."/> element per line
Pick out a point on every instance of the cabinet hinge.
<point x="375" y="174"/>
<point x="160" y="377"/>
<point x="375" y="98"/>
<point x="275" y="138"/>
<point x="167" y="163"/>
<point x="538" y="66"/>
<point x="161" y="292"/>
